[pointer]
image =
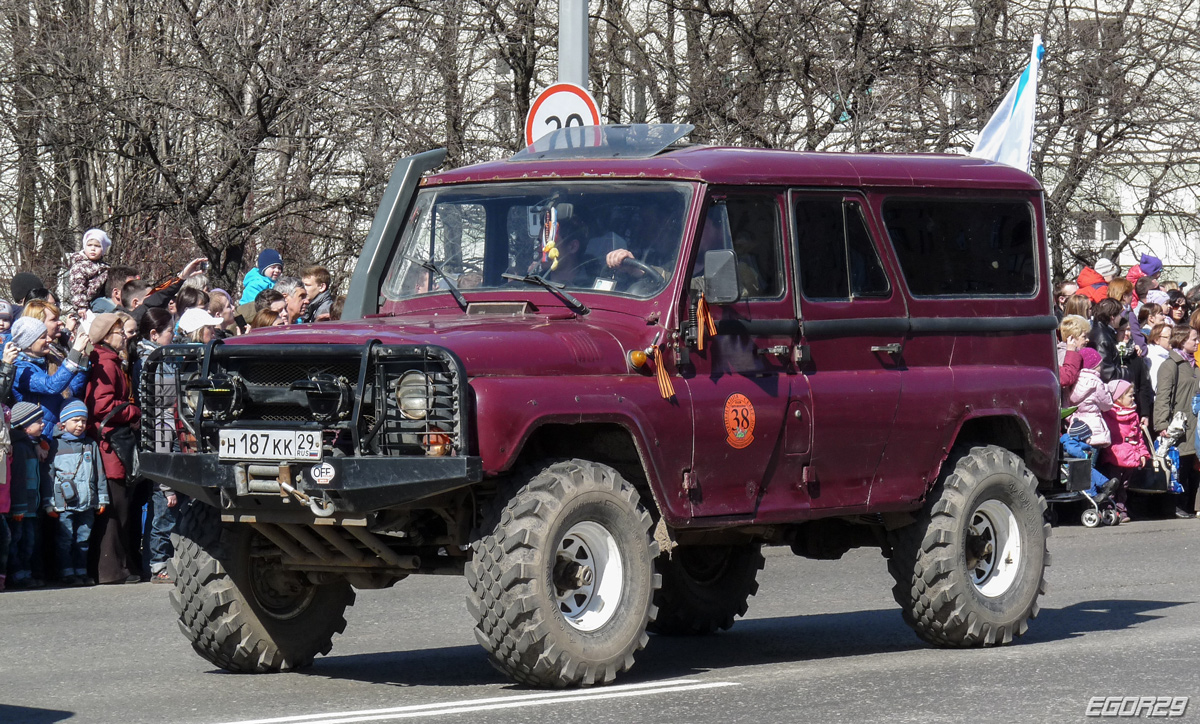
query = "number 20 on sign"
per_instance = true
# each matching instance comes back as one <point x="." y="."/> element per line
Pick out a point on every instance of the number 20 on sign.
<point x="562" y="105"/>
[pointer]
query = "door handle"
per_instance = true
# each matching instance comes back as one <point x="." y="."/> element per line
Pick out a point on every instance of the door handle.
<point x="892" y="349"/>
<point x="779" y="350"/>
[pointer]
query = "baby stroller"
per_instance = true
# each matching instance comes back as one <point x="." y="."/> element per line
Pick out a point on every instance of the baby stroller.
<point x="1079" y="477"/>
<point x="1076" y="470"/>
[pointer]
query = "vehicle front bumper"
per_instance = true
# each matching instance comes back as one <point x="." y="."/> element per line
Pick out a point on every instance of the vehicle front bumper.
<point x="357" y="484"/>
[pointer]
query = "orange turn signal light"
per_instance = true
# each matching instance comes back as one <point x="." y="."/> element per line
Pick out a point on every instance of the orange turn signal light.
<point x="637" y="358"/>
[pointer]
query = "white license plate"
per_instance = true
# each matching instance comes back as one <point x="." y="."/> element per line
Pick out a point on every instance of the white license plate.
<point x="275" y="445"/>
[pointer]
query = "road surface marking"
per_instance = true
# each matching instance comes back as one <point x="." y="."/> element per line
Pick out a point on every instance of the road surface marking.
<point x="496" y="703"/>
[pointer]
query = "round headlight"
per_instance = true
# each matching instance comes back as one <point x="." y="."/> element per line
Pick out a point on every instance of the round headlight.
<point x="412" y="395"/>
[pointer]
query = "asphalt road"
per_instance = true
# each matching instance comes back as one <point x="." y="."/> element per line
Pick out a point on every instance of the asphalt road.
<point x="823" y="642"/>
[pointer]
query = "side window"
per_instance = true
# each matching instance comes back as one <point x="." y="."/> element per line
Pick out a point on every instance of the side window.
<point x="955" y="247"/>
<point x="837" y="258"/>
<point x="750" y="226"/>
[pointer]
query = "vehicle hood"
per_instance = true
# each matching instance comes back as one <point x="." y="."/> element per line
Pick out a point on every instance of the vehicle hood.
<point x="532" y="344"/>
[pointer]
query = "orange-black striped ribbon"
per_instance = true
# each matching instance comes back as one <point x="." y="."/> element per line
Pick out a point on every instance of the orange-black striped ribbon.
<point x="704" y="322"/>
<point x="665" y="388"/>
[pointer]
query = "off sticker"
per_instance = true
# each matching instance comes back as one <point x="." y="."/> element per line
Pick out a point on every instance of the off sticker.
<point x="739" y="421"/>
<point x="322" y="473"/>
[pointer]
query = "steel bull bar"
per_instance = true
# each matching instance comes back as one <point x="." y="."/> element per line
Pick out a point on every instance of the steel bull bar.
<point x="348" y="484"/>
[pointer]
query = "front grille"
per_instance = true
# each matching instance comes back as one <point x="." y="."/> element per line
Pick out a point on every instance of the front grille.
<point x="279" y="413"/>
<point x="175" y="378"/>
<point x="284" y="373"/>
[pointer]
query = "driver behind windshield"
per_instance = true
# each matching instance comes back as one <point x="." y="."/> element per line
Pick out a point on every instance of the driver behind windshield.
<point x="658" y="247"/>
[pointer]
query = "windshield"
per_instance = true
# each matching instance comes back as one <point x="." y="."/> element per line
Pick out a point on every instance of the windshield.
<point x="607" y="237"/>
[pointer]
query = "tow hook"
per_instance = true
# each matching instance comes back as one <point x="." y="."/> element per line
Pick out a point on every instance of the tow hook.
<point x="322" y="507"/>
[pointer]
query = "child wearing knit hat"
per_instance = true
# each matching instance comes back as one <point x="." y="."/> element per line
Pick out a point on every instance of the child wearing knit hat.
<point x="27" y="474"/>
<point x="1129" y="451"/>
<point x="262" y="276"/>
<point x="1074" y="443"/>
<point x="80" y="490"/>
<point x="88" y="273"/>
<point x="1091" y="398"/>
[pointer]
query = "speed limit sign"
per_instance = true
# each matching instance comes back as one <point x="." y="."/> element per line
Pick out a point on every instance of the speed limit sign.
<point x="560" y="106"/>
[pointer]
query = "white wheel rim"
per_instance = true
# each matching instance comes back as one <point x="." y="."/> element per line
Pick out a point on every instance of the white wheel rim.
<point x="586" y="601"/>
<point x="993" y="548"/>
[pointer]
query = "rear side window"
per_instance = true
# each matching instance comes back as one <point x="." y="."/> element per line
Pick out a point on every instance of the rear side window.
<point x="950" y="247"/>
<point x="834" y="249"/>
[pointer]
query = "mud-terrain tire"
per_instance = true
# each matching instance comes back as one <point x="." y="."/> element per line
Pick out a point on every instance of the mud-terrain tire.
<point x="546" y="535"/>
<point x="953" y="589"/>
<point x="229" y="612"/>
<point x="705" y="587"/>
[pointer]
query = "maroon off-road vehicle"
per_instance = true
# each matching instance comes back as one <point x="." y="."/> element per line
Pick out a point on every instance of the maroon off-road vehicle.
<point x="597" y="377"/>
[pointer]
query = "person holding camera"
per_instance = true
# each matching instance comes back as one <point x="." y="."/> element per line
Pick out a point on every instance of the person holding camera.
<point x="161" y="295"/>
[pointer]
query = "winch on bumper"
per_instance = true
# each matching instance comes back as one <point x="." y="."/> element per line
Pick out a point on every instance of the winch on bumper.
<point x="376" y="426"/>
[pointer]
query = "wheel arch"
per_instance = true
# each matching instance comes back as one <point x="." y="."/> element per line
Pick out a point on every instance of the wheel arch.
<point x="618" y="421"/>
<point x="617" y="443"/>
<point x="1002" y="428"/>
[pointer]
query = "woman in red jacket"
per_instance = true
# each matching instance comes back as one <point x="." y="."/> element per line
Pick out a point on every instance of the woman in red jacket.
<point x="110" y="392"/>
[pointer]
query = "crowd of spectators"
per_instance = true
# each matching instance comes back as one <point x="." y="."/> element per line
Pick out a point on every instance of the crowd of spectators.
<point x="71" y="512"/>
<point x="1128" y="369"/>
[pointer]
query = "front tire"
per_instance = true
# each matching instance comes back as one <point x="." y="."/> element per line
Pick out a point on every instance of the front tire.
<point x="705" y="587"/>
<point x="239" y="608"/>
<point x="562" y="576"/>
<point x="970" y="570"/>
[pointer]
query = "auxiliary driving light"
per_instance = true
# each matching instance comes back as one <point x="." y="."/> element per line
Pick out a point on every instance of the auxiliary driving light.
<point x="329" y="398"/>
<point x="224" y="396"/>
<point x="413" y="395"/>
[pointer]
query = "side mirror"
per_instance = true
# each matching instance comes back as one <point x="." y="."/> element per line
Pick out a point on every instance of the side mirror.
<point x="721" y="276"/>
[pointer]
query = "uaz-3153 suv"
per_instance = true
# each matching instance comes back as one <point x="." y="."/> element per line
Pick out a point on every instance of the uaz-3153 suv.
<point x="597" y="377"/>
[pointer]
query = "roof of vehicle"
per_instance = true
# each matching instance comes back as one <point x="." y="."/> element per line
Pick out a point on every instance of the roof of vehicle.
<point x="758" y="166"/>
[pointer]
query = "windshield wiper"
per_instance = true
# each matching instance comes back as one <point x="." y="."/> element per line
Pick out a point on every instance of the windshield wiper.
<point x="458" y="296"/>
<point x="554" y="287"/>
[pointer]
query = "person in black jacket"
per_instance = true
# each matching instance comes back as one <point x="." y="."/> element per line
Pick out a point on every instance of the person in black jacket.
<point x="1139" y="371"/>
<point x="1105" y="316"/>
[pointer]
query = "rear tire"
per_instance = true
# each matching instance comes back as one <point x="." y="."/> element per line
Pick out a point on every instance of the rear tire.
<point x="239" y="608"/>
<point x="970" y="570"/>
<point x="705" y="587"/>
<point x="562" y="576"/>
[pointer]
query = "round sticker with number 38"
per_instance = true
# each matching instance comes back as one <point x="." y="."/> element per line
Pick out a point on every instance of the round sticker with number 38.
<point x="739" y="421"/>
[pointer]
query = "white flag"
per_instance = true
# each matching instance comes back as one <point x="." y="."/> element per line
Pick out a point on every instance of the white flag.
<point x="1008" y="136"/>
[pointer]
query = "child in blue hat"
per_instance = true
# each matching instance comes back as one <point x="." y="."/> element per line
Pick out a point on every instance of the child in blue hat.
<point x="268" y="269"/>
<point x="80" y="490"/>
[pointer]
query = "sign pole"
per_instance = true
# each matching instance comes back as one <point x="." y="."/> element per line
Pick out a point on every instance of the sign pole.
<point x="573" y="42"/>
